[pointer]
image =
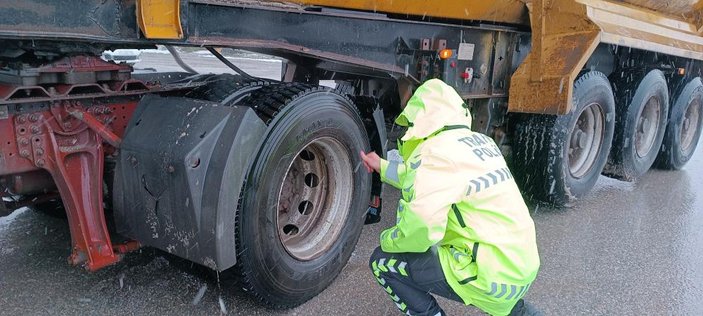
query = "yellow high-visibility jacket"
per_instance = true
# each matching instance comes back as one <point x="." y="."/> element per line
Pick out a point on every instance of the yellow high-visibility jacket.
<point x="460" y="199"/>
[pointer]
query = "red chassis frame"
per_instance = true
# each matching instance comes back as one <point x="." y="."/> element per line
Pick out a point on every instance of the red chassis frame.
<point x="67" y="129"/>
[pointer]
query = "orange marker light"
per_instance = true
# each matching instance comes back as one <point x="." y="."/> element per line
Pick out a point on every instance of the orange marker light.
<point x="682" y="71"/>
<point x="445" y="53"/>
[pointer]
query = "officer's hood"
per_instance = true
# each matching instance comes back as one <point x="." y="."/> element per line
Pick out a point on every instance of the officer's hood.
<point x="434" y="106"/>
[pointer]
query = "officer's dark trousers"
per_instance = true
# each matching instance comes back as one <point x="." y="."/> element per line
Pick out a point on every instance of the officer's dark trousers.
<point x="409" y="278"/>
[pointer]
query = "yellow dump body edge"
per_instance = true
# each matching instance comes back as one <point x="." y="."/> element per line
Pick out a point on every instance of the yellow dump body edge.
<point x="566" y="32"/>
<point x="632" y="27"/>
<point x="502" y="11"/>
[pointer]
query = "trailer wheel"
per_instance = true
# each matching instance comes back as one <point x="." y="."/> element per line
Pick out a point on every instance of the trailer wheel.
<point x="639" y="128"/>
<point x="305" y="199"/>
<point x="684" y="128"/>
<point x="558" y="159"/>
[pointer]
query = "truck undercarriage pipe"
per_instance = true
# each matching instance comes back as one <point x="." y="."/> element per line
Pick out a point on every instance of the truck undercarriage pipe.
<point x="179" y="61"/>
<point x="227" y="62"/>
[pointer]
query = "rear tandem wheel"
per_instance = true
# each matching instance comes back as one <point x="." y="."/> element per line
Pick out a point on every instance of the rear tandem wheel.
<point x="639" y="129"/>
<point x="559" y="158"/>
<point x="684" y="128"/>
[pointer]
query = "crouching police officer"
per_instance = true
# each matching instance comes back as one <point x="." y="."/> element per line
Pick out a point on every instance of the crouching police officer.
<point x="463" y="230"/>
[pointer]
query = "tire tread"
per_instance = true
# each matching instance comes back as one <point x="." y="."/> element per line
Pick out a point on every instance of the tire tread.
<point x="538" y="142"/>
<point x="268" y="102"/>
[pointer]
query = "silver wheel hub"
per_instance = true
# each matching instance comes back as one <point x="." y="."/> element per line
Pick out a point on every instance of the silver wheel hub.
<point x="314" y="199"/>
<point x="690" y="124"/>
<point x="586" y="140"/>
<point x="647" y="127"/>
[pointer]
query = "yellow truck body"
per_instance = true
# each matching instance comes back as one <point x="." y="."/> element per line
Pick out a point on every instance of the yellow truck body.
<point x="564" y="35"/>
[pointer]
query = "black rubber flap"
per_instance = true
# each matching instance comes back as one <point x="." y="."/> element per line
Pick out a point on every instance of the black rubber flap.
<point x="179" y="174"/>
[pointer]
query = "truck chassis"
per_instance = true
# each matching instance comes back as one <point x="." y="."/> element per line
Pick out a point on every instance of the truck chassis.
<point x="231" y="170"/>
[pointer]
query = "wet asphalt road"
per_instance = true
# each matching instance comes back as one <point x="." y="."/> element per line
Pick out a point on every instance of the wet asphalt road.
<point x="626" y="249"/>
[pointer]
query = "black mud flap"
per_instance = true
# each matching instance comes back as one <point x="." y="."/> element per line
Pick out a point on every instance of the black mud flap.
<point x="180" y="170"/>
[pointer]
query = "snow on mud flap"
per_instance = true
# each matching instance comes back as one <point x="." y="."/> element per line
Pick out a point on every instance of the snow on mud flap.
<point x="558" y="159"/>
<point x="305" y="198"/>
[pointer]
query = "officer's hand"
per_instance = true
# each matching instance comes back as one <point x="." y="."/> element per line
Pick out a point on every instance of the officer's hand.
<point x="372" y="162"/>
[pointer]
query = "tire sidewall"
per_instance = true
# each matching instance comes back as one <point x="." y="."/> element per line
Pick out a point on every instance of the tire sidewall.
<point x="653" y="85"/>
<point x="318" y="114"/>
<point x="593" y="89"/>
<point x="678" y="158"/>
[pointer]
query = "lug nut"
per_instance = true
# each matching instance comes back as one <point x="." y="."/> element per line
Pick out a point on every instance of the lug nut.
<point x="41" y="162"/>
<point x="39" y="152"/>
<point x="33" y="118"/>
<point x="24" y="142"/>
<point x="24" y="153"/>
<point x="35" y="129"/>
<point x="194" y="162"/>
<point x="22" y="119"/>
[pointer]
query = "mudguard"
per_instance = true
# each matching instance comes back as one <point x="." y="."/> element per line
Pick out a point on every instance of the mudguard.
<point x="179" y="174"/>
<point x="376" y="128"/>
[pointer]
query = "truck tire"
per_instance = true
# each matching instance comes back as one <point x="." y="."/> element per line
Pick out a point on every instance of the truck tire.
<point x="227" y="89"/>
<point x="557" y="159"/>
<point x="305" y="198"/>
<point x="684" y="128"/>
<point x="639" y="128"/>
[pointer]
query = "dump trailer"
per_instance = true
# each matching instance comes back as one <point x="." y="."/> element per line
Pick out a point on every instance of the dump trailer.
<point x="261" y="177"/>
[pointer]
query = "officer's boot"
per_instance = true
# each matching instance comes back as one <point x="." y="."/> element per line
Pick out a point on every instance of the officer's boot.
<point x="523" y="308"/>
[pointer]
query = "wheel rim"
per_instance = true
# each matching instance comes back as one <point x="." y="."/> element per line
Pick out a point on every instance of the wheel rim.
<point x="689" y="126"/>
<point x="647" y="127"/>
<point x="586" y="140"/>
<point x="314" y="199"/>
